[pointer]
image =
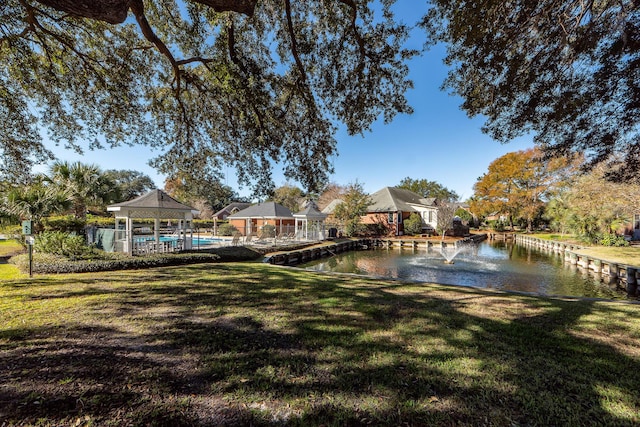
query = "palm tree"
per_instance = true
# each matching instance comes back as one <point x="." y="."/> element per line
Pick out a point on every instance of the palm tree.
<point x="34" y="201"/>
<point x="85" y="185"/>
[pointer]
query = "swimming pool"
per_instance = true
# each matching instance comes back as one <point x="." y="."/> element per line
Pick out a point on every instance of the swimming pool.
<point x="195" y="241"/>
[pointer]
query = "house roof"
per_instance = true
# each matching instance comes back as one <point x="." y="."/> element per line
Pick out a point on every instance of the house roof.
<point x="332" y="206"/>
<point x="154" y="199"/>
<point x="263" y="210"/>
<point x="393" y="199"/>
<point x="230" y="207"/>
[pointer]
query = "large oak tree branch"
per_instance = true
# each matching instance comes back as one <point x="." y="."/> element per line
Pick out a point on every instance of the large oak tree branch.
<point x="115" y="11"/>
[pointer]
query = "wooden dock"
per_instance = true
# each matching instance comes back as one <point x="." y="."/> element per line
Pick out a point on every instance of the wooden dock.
<point x="300" y="256"/>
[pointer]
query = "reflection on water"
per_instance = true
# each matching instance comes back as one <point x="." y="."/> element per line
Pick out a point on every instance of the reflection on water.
<point x="497" y="265"/>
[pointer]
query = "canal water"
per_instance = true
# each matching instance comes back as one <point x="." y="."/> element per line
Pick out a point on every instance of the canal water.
<point x="495" y="265"/>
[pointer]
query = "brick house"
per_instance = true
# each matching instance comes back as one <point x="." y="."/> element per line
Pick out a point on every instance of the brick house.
<point x="391" y="206"/>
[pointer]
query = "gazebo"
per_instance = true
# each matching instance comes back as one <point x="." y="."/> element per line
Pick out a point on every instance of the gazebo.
<point x="158" y="205"/>
<point x="310" y="223"/>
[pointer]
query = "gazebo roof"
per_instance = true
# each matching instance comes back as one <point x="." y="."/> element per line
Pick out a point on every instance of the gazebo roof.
<point x="310" y="212"/>
<point x="154" y="203"/>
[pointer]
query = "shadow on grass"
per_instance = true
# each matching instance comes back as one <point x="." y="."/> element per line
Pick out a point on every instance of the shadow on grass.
<point x="247" y="344"/>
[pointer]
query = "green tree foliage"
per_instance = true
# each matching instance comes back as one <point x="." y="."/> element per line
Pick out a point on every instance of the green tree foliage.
<point x="289" y="196"/>
<point x="192" y="191"/>
<point x="428" y="189"/>
<point x="33" y="201"/>
<point x="593" y="206"/>
<point x="413" y="224"/>
<point x="464" y="215"/>
<point x="69" y="186"/>
<point x="129" y="184"/>
<point x="208" y="82"/>
<point x="354" y="206"/>
<point x="85" y="185"/>
<point x="564" y="70"/>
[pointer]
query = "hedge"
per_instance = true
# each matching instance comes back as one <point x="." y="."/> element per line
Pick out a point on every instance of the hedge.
<point x="56" y="264"/>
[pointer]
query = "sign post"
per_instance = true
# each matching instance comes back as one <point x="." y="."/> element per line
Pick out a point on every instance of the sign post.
<point x="30" y="240"/>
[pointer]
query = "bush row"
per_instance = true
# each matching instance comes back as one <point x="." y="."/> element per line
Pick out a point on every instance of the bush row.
<point x="57" y="264"/>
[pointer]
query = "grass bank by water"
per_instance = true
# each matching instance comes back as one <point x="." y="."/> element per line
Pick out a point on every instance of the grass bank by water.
<point x="629" y="255"/>
<point x="10" y="247"/>
<point x="249" y="343"/>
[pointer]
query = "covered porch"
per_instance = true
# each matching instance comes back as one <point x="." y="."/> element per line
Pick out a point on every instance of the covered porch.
<point x="159" y="206"/>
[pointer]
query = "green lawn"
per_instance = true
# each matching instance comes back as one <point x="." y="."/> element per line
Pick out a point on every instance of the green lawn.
<point x="250" y="343"/>
<point x="558" y="237"/>
<point x="10" y="247"/>
<point x="7" y="248"/>
<point x="622" y="255"/>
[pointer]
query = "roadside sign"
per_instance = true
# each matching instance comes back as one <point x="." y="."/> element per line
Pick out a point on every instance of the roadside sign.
<point x="30" y="240"/>
<point x="27" y="227"/>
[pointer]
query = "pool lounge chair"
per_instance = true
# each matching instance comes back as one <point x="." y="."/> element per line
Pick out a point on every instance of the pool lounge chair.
<point x="263" y="239"/>
<point x="249" y="238"/>
<point x="236" y="239"/>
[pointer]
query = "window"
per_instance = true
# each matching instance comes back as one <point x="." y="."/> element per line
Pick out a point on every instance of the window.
<point x="390" y="219"/>
<point x="636" y="221"/>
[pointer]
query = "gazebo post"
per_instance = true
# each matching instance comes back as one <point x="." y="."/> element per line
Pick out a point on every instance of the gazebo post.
<point x="156" y="231"/>
<point x="129" y="235"/>
<point x="188" y="239"/>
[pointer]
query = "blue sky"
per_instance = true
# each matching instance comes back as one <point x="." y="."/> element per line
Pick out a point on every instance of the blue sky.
<point x="438" y="142"/>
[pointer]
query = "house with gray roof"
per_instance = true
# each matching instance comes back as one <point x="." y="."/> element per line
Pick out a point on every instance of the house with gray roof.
<point x="391" y="206"/>
<point x="255" y="217"/>
<point x="230" y="209"/>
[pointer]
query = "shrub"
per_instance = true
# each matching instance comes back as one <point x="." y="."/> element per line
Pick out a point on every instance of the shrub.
<point x="203" y="223"/>
<point x="101" y="221"/>
<point x="464" y="215"/>
<point x="268" y="230"/>
<point x="370" y="230"/>
<point x="66" y="223"/>
<point x="59" y="243"/>
<point x="612" y="239"/>
<point x="58" y="264"/>
<point x="498" y="226"/>
<point x="413" y="224"/>
<point x="227" y="230"/>
<point x="355" y="228"/>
